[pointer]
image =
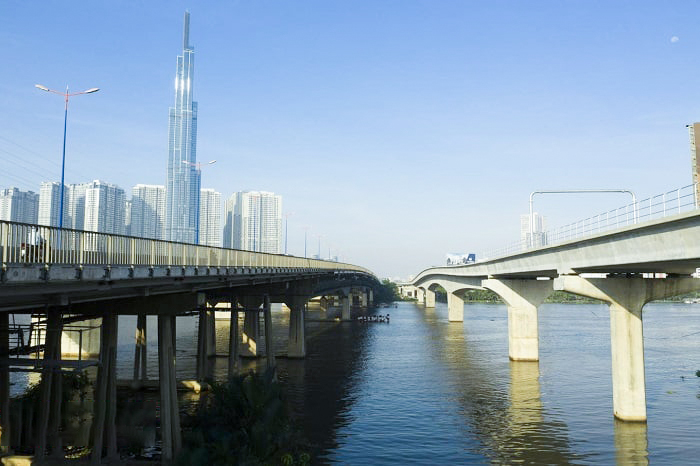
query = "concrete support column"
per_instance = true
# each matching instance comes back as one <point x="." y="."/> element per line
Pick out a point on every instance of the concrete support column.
<point x="269" y="350"/>
<point x="363" y="299"/>
<point x="4" y="384"/>
<point x="233" y="340"/>
<point x="420" y="295"/>
<point x="103" y="429"/>
<point x="140" y="351"/>
<point x="297" y="330"/>
<point x="50" y="407"/>
<point x="202" y="337"/>
<point x="429" y="298"/>
<point x="345" y="313"/>
<point x="251" y="326"/>
<point x="455" y="308"/>
<point x="370" y="298"/>
<point x="169" y="413"/>
<point x="522" y="297"/>
<point x="627" y="297"/>
<point x="211" y="333"/>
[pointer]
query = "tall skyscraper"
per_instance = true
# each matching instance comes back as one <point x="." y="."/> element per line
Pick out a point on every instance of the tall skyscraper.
<point x="183" y="177"/>
<point x="210" y="218"/>
<point x="254" y="222"/>
<point x="147" y="211"/>
<point x="19" y="206"/>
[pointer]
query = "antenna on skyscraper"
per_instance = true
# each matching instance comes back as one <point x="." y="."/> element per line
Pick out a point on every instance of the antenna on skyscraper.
<point x="186" y="32"/>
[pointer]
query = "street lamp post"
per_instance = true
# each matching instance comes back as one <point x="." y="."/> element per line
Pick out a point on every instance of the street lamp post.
<point x="66" y="95"/>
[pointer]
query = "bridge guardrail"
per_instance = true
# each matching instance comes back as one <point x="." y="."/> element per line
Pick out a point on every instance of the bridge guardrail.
<point x="22" y="243"/>
<point x="662" y="205"/>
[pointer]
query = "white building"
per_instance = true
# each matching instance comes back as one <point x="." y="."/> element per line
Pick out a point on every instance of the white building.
<point x="105" y="206"/>
<point x="19" y="206"/>
<point x="50" y="202"/>
<point x="210" y="218"/>
<point x="254" y="222"/>
<point x="539" y="228"/>
<point x="147" y="211"/>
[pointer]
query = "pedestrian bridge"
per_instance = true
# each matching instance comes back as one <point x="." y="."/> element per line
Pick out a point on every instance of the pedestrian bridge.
<point x="626" y="267"/>
<point x="62" y="276"/>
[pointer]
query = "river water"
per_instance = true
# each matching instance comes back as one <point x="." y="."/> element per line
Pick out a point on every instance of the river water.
<point x="423" y="390"/>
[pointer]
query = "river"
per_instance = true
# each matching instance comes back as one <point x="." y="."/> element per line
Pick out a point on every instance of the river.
<point x="423" y="390"/>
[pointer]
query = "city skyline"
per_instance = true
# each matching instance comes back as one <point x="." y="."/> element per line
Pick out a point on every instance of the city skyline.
<point x="422" y="135"/>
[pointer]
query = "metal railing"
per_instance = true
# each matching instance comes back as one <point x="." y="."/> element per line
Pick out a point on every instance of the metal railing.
<point x="22" y="243"/>
<point x="663" y="205"/>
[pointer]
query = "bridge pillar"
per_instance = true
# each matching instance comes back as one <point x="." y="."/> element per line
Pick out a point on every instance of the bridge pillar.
<point x="522" y="297"/>
<point x="363" y="299"/>
<point x="269" y="351"/>
<point x="204" y="343"/>
<point x="4" y="384"/>
<point x="455" y="308"/>
<point x="626" y="298"/>
<point x="103" y="429"/>
<point x="169" y="413"/>
<point x="297" y="332"/>
<point x="370" y="298"/>
<point x="233" y="339"/>
<point x="140" y="351"/>
<point x="51" y="387"/>
<point x="420" y="295"/>
<point x="346" y="303"/>
<point x="251" y="326"/>
<point x="429" y="298"/>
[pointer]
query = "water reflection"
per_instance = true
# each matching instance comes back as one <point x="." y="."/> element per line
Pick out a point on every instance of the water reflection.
<point x="631" y="442"/>
<point x="508" y="420"/>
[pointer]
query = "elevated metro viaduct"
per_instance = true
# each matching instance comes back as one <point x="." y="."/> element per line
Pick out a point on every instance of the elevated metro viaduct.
<point x="71" y="276"/>
<point x="626" y="268"/>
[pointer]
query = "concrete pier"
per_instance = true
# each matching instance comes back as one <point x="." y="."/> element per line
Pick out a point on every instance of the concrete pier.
<point x="251" y="326"/>
<point x="297" y="331"/>
<point x="345" y="313"/>
<point x="626" y="298"/>
<point x="233" y="341"/>
<point x="522" y="297"/>
<point x="429" y="298"/>
<point x="455" y="308"/>
<point x="140" y="351"/>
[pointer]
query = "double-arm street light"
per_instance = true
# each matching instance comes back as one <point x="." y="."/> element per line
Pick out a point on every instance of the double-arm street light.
<point x="65" y="123"/>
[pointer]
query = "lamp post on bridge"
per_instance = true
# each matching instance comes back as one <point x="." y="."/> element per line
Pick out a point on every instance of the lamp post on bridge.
<point x="286" y="231"/>
<point x="66" y="95"/>
<point x="531" y="242"/>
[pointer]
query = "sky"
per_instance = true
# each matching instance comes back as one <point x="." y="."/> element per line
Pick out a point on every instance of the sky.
<point x="396" y="131"/>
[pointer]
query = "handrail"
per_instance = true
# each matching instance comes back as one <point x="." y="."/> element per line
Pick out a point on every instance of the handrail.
<point x="23" y="243"/>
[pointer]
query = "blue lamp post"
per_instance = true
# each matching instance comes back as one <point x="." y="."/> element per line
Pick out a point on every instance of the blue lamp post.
<point x="65" y="124"/>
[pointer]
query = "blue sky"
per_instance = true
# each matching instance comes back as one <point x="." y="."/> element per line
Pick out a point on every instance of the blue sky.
<point x="397" y="130"/>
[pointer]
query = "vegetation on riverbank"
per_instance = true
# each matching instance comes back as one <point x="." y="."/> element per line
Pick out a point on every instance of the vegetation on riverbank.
<point x="387" y="293"/>
<point x="242" y="421"/>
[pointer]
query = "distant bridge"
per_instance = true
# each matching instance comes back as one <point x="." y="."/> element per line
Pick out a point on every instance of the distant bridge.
<point x="626" y="267"/>
<point x="63" y="275"/>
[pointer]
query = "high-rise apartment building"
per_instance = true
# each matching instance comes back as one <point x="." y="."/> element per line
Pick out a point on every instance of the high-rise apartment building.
<point x="254" y="222"/>
<point x="50" y="203"/>
<point x="147" y="211"/>
<point x="539" y="227"/>
<point x="19" y="206"/>
<point x="183" y="175"/>
<point x="104" y="208"/>
<point x="210" y="218"/>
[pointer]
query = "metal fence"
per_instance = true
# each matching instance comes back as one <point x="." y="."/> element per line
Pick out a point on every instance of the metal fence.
<point x="22" y="243"/>
<point x="663" y="205"/>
